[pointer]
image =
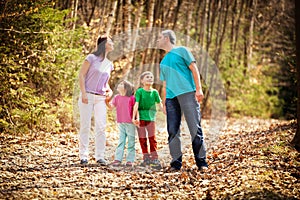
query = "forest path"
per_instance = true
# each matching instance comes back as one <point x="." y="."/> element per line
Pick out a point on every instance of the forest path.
<point x="252" y="158"/>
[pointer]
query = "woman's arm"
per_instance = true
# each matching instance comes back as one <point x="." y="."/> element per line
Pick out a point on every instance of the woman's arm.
<point x="109" y="92"/>
<point x="109" y="103"/>
<point x="82" y="74"/>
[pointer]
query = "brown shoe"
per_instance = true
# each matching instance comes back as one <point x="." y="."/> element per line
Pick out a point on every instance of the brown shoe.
<point x="116" y="163"/>
<point x="129" y="164"/>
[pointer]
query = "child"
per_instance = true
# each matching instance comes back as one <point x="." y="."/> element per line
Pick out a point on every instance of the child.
<point x="144" y="114"/>
<point x="124" y="103"/>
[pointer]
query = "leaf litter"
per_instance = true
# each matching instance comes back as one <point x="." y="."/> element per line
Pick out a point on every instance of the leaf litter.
<point x="251" y="159"/>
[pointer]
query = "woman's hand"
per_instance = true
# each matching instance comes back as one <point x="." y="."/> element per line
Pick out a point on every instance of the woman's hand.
<point x="109" y="94"/>
<point x="84" y="98"/>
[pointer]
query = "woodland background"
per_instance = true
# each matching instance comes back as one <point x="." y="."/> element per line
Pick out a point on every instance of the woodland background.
<point x="251" y="43"/>
<point x="43" y="44"/>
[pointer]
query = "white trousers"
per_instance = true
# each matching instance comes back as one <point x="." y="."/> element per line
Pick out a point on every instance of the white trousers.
<point x="96" y="104"/>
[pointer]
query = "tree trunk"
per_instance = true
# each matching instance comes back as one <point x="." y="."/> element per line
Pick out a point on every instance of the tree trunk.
<point x="251" y="30"/>
<point x="127" y="16"/>
<point x="136" y="26"/>
<point x="214" y="10"/>
<point x="150" y="16"/>
<point x="188" y="23"/>
<point x="179" y="2"/>
<point x="198" y="19"/>
<point x="102" y="13"/>
<point x="74" y="14"/>
<point x="111" y="17"/>
<point x="296" y="139"/>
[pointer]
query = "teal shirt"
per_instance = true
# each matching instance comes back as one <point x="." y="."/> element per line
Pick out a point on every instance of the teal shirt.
<point x="174" y="69"/>
<point x="147" y="103"/>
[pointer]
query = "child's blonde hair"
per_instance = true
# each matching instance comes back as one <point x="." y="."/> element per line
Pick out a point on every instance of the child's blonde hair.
<point x="143" y="75"/>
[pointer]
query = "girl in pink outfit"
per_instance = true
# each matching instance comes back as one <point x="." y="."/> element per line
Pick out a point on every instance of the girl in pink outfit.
<point x="124" y="102"/>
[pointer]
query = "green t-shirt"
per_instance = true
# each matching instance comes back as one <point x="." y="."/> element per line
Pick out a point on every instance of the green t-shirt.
<point x="147" y="103"/>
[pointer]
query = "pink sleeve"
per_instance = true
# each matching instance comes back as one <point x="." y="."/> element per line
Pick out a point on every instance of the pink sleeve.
<point x="114" y="101"/>
<point x="131" y="104"/>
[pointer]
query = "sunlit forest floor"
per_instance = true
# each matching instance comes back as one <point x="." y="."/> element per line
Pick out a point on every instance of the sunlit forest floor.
<point x="251" y="159"/>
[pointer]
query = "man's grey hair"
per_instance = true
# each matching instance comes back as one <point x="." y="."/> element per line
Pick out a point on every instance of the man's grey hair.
<point x="170" y="34"/>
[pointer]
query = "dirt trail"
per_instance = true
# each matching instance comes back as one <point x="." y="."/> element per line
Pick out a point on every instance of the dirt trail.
<point x="250" y="159"/>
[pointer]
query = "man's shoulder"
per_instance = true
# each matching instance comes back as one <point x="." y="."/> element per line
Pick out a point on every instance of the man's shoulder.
<point x="181" y="48"/>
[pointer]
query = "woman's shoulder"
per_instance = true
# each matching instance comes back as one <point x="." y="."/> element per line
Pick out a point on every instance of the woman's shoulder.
<point x="90" y="57"/>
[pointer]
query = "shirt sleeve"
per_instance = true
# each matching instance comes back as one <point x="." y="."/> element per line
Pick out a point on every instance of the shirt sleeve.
<point x="187" y="56"/>
<point x="89" y="58"/>
<point x="111" y="67"/>
<point x="157" y="97"/>
<point x="161" y="73"/>
<point x="137" y="95"/>
<point x="114" y="101"/>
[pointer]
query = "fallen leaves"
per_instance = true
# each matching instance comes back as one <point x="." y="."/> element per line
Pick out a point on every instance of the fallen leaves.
<point x="251" y="159"/>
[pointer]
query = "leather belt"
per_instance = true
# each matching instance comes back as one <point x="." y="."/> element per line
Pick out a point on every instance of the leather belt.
<point x="95" y="93"/>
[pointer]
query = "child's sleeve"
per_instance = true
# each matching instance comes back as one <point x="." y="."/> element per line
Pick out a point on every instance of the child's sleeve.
<point x="114" y="101"/>
<point x="157" y="97"/>
<point x="137" y="96"/>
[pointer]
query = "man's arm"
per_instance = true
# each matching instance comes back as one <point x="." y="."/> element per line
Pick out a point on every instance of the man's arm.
<point x="196" y="76"/>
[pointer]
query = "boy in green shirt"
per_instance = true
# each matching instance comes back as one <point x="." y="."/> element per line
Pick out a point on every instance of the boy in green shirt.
<point x="144" y="115"/>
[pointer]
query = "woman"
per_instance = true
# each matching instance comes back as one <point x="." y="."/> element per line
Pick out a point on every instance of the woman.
<point x="93" y="79"/>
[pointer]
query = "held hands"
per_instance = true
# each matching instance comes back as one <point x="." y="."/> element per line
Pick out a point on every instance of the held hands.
<point x="136" y="122"/>
<point x="109" y="94"/>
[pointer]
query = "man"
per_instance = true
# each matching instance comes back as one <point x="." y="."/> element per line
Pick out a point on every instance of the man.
<point x="182" y="93"/>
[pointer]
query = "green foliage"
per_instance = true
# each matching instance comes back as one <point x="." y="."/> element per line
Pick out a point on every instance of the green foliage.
<point x="287" y="84"/>
<point x="249" y="92"/>
<point x="40" y="60"/>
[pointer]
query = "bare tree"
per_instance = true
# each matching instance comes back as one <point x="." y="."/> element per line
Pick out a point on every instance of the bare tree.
<point x="251" y="38"/>
<point x="111" y="17"/>
<point x="296" y="139"/>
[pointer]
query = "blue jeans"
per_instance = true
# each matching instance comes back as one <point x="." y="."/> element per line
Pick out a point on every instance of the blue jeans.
<point x="127" y="130"/>
<point x="185" y="104"/>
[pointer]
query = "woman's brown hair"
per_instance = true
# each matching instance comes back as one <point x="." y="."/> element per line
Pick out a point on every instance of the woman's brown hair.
<point x="101" y="49"/>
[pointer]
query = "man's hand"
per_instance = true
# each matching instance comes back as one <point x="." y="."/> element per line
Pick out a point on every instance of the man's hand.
<point x="199" y="95"/>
